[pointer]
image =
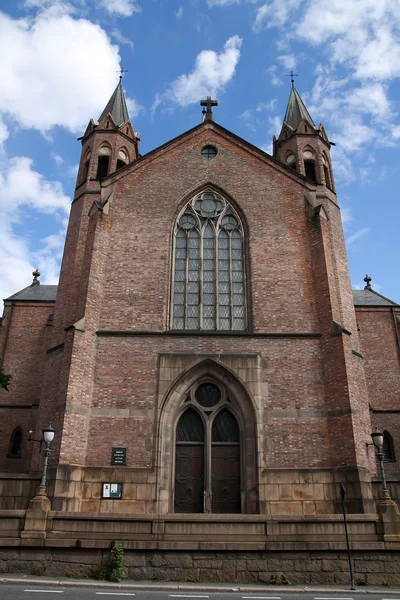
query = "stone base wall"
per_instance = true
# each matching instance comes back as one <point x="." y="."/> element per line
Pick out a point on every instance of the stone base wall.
<point x="312" y="567"/>
<point x="290" y="492"/>
<point x="17" y="490"/>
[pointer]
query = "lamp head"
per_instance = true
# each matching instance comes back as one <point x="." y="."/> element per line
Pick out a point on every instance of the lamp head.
<point x="48" y="433"/>
<point x="377" y="438"/>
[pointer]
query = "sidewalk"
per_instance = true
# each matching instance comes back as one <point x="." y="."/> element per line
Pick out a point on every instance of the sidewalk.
<point x="10" y="578"/>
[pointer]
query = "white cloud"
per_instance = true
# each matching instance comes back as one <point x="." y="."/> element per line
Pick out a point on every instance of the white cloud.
<point x="134" y="108"/>
<point x="211" y="73"/>
<point x="25" y="191"/>
<point x="121" y="39"/>
<point x="275" y="80"/>
<point x="4" y="133"/>
<point x="179" y="12"/>
<point x="275" y="13"/>
<point x="23" y="186"/>
<point x="222" y="2"/>
<point x="59" y="71"/>
<point x="358" y="235"/>
<point x="123" y="8"/>
<point x="347" y="215"/>
<point x="288" y="60"/>
<point x="57" y="158"/>
<point x="362" y="33"/>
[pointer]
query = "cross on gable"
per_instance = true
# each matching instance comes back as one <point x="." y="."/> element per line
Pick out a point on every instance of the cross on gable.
<point x="208" y="103"/>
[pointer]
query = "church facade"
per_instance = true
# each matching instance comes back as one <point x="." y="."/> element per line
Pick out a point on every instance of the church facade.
<point x="204" y="358"/>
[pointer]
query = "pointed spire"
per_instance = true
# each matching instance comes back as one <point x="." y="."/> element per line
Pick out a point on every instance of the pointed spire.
<point x="116" y="106"/>
<point x="296" y="110"/>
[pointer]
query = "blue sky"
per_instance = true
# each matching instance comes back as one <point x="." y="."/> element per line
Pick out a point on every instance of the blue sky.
<point x="59" y="67"/>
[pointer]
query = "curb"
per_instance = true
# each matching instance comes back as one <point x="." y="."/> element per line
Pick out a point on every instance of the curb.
<point x="190" y="587"/>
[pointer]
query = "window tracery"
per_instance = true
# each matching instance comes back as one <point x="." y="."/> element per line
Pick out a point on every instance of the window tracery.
<point x="208" y="273"/>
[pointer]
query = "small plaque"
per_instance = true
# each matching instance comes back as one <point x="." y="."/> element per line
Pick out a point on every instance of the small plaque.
<point x="118" y="456"/>
<point x="111" y="491"/>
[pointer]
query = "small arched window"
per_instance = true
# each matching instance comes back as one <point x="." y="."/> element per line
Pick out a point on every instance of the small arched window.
<point x="309" y="165"/>
<point x="207" y="457"/>
<point x="208" y="291"/>
<point x="16" y="444"/>
<point x="388" y="448"/>
<point x="327" y="176"/>
<point x="103" y="162"/>
<point x="291" y="161"/>
<point x="122" y="158"/>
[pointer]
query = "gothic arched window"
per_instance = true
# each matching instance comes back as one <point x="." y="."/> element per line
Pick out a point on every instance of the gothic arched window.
<point x="208" y="274"/>
<point x="207" y="456"/>
<point x="16" y="444"/>
<point x="388" y="448"/>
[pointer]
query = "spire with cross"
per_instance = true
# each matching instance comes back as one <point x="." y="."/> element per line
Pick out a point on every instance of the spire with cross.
<point x="121" y="72"/>
<point x="207" y="111"/>
<point x="292" y="76"/>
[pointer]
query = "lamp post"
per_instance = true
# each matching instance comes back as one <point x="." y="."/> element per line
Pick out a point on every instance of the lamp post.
<point x="48" y="436"/>
<point x="377" y="438"/>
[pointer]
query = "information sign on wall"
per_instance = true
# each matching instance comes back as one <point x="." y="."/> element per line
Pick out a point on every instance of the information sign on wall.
<point x="112" y="491"/>
<point x="118" y="456"/>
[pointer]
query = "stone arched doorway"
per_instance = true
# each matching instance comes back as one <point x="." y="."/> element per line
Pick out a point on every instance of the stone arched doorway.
<point x="207" y="444"/>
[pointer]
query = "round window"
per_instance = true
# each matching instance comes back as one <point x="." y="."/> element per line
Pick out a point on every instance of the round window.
<point x="308" y="154"/>
<point x="209" y="152"/>
<point x="122" y="155"/>
<point x="105" y="150"/>
<point x="208" y="395"/>
<point x="290" y="159"/>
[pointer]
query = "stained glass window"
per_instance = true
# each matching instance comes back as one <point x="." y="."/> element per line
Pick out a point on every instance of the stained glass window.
<point x="208" y="276"/>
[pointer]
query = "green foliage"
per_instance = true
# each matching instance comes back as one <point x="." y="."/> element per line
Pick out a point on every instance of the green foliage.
<point x="362" y="581"/>
<point x="4" y="381"/>
<point x="115" y="569"/>
<point x="117" y="566"/>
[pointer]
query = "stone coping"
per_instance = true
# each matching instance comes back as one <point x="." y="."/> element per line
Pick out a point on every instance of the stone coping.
<point x="329" y="518"/>
<point x="19" y="475"/>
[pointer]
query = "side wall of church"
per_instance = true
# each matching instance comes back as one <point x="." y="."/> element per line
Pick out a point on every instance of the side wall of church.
<point x="25" y="338"/>
<point x="381" y="355"/>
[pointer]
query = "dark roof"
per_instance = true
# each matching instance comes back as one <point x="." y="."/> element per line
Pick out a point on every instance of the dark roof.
<point x="36" y="293"/>
<point x="296" y="110"/>
<point x="116" y="106"/>
<point x="370" y="298"/>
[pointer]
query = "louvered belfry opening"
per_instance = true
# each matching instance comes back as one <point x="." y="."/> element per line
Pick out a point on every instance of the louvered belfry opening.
<point x="207" y="457"/>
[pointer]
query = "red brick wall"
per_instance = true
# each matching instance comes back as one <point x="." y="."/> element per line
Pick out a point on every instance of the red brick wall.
<point x="382" y="367"/>
<point x="27" y="333"/>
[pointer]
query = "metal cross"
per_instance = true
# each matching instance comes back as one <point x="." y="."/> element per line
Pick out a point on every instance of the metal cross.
<point x="208" y="103"/>
<point x="122" y="71"/>
<point x="292" y="76"/>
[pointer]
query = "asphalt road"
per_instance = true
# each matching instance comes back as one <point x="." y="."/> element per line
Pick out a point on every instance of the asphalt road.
<point x="48" y="592"/>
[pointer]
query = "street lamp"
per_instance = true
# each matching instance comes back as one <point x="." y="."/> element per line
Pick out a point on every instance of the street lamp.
<point x="377" y="438"/>
<point x="48" y="436"/>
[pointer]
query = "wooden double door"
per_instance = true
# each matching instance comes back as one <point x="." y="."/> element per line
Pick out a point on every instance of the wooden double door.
<point x="207" y="462"/>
